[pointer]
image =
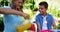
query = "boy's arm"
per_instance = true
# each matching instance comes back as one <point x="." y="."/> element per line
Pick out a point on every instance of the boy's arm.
<point x="12" y="11"/>
<point x="38" y="26"/>
<point x="53" y="22"/>
<point x="38" y="23"/>
<point x="54" y="25"/>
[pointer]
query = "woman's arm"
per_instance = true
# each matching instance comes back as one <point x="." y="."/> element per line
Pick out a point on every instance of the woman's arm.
<point x="12" y="11"/>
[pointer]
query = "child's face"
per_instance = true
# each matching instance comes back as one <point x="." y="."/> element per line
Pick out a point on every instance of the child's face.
<point x="42" y="9"/>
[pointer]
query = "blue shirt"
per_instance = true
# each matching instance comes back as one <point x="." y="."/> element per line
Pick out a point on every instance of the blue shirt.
<point x="49" y="19"/>
<point x="11" y="21"/>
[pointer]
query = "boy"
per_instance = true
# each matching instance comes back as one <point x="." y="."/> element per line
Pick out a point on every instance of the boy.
<point x="44" y="20"/>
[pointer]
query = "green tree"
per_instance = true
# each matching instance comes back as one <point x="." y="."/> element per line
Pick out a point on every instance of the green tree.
<point x="4" y="3"/>
<point x="1" y="24"/>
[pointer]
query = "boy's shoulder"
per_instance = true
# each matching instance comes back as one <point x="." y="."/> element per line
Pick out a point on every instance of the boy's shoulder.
<point x="38" y="15"/>
<point x="49" y="15"/>
<point x="41" y="15"/>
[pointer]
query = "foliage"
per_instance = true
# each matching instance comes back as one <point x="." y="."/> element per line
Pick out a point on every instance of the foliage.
<point x="1" y="24"/>
<point x="58" y="26"/>
<point x="58" y="13"/>
<point x="30" y="4"/>
<point x="4" y="3"/>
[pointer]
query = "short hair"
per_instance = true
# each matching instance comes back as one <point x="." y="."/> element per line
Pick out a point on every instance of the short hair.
<point x="44" y="3"/>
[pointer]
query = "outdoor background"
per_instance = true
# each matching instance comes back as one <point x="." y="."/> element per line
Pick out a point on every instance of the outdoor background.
<point x="31" y="8"/>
